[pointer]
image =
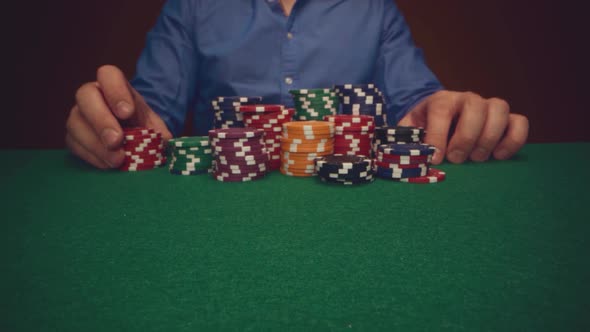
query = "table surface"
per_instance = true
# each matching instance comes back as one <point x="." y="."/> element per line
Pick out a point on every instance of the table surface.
<point x="498" y="246"/>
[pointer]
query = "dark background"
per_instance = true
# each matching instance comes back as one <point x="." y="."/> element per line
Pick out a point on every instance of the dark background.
<point x="531" y="53"/>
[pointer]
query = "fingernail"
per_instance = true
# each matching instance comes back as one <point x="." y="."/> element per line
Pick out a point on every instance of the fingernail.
<point x="109" y="137"/>
<point x="457" y="156"/>
<point x="437" y="155"/>
<point x="480" y="154"/>
<point x="502" y="154"/>
<point x="123" y="108"/>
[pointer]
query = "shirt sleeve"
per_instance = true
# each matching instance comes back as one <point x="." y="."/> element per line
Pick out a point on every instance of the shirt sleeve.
<point x="167" y="68"/>
<point x="401" y="68"/>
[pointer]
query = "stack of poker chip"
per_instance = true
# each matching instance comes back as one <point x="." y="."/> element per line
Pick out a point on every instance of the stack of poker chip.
<point x="227" y="113"/>
<point x="353" y="134"/>
<point x="362" y="99"/>
<point x="345" y="169"/>
<point x="144" y="149"/>
<point x="302" y="142"/>
<point x="190" y="155"/>
<point x="407" y="163"/>
<point x="239" y="154"/>
<point x="270" y="119"/>
<point x="314" y="104"/>
<point x="399" y="134"/>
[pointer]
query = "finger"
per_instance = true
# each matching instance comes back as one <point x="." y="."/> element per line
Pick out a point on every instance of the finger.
<point x="81" y="152"/>
<point x="115" y="89"/>
<point x="146" y="117"/>
<point x="495" y="126"/>
<point x="81" y="131"/>
<point x="516" y="136"/>
<point x="439" y="115"/>
<point x="472" y="116"/>
<point x="103" y="123"/>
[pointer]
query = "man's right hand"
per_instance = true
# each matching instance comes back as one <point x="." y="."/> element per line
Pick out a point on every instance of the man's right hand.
<point x="94" y="126"/>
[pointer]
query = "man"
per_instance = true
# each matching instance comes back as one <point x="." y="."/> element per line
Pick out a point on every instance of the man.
<point x="200" y="49"/>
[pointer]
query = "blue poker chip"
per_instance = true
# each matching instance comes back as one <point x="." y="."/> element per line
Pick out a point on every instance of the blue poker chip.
<point x="400" y="173"/>
<point x="371" y="100"/>
<point x="409" y="149"/>
<point x="228" y="115"/>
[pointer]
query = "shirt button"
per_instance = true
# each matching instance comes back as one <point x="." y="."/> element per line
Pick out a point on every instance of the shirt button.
<point x="288" y="80"/>
<point x="290" y="35"/>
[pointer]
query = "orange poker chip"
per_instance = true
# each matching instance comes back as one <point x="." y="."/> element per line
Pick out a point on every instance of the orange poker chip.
<point x="307" y="148"/>
<point x="309" y="127"/>
<point x="288" y="140"/>
<point x="303" y="156"/>
<point x="294" y="173"/>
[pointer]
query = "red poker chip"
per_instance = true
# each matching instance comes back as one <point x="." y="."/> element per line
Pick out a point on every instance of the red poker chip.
<point x="138" y="131"/>
<point x="142" y="137"/>
<point x="360" y="119"/>
<point x="434" y="176"/>
<point x="151" y="145"/>
<point x="132" y="168"/>
<point x="261" y="108"/>
<point x="144" y="157"/>
<point x="352" y="145"/>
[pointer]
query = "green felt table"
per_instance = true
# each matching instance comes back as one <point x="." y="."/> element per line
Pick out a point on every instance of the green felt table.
<point x="498" y="246"/>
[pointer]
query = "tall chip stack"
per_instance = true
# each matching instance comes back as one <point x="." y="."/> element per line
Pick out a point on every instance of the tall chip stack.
<point x="407" y="163"/>
<point x="345" y="169"/>
<point x="314" y="104"/>
<point x="362" y="99"/>
<point x="353" y="134"/>
<point x="144" y="149"/>
<point x="399" y="134"/>
<point x="302" y="143"/>
<point x="270" y="119"/>
<point x="226" y="111"/>
<point x="190" y="155"/>
<point x="239" y="154"/>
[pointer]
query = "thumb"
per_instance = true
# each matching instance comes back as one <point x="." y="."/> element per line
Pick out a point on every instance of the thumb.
<point x="144" y="116"/>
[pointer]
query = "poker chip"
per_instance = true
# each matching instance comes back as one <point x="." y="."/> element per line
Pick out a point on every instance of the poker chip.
<point x="434" y="175"/>
<point x="143" y="149"/>
<point x="399" y="134"/>
<point x="190" y="155"/>
<point x="314" y="104"/>
<point x="269" y="119"/>
<point x="239" y="154"/>
<point x="409" y="149"/>
<point x="407" y="162"/>
<point x="362" y="99"/>
<point x="302" y="142"/>
<point x="226" y="111"/>
<point x="353" y="134"/>
<point x="344" y="169"/>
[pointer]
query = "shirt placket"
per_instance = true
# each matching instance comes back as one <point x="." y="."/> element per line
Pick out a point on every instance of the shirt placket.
<point x="289" y="76"/>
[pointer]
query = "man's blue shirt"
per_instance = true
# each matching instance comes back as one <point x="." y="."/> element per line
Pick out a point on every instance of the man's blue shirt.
<point x="201" y="49"/>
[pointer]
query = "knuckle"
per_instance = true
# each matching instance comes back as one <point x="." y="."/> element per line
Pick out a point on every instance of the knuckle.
<point x="500" y="105"/>
<point x="84" y="90"/>
<point x="465" y="139"/>
<point x="441" y="107"/>
<point x="104" y="70"/>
